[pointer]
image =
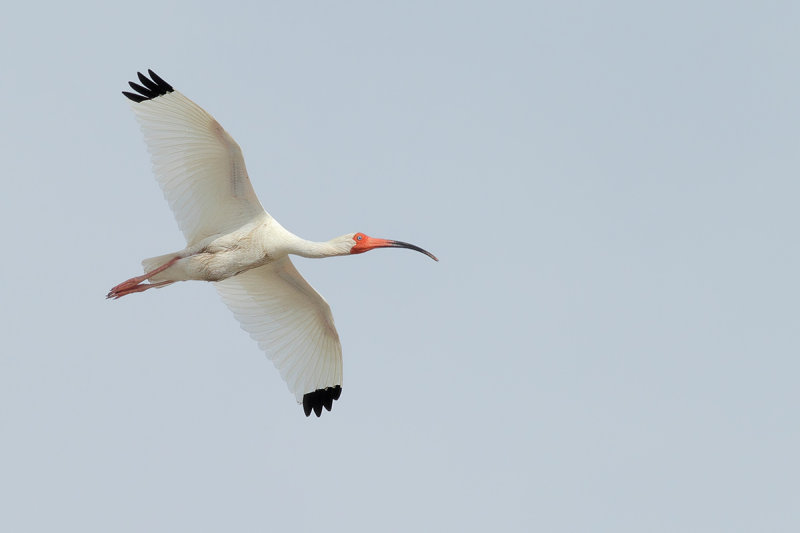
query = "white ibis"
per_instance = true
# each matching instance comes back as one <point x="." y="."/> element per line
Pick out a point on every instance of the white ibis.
<point x="232" y="241"/>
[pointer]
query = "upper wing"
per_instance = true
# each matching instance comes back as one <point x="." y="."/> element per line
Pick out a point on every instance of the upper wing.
<point x="199" y="166"/>
<point x="293" y="324"/>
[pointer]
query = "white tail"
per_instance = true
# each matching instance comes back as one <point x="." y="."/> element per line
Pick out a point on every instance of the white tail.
<point x="153" y="263"/>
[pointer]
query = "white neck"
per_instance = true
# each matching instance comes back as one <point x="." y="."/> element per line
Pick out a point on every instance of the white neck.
<point x="331" y="248"/>
<point x="316" y="249"/>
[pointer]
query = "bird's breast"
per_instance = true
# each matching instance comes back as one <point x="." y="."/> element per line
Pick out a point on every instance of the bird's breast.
<point x="229" y="255"/>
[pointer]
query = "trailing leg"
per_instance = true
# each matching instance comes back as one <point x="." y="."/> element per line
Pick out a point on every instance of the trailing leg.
<point x="137" y="284"/>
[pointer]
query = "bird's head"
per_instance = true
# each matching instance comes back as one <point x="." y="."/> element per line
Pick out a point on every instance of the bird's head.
<point x="360" y="243"/>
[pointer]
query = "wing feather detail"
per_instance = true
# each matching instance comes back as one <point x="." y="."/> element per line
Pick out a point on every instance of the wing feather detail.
<point x="198" y="165"/>
<point x="293" y="325"/>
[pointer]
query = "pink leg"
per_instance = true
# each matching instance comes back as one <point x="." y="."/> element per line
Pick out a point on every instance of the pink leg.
<point x="138" y="288"/>
<point x="135" y="284"/>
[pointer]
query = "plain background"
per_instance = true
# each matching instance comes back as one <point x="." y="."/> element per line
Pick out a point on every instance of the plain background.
<point x="609" y="343"/>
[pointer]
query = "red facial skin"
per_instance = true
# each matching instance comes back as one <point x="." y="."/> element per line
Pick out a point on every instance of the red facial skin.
<point x="365" y="243"/>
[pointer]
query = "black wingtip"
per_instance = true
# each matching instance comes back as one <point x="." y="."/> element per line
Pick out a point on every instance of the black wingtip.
<point x="150" y="88"/>
<point x="315" y="401"/>
<point x="135" y="97"/>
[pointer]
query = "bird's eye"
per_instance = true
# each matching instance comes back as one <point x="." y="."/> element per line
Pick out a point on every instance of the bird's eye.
<point x="359" y="237"/>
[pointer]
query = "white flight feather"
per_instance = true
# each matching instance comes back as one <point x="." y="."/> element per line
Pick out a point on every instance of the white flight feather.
<point x="199" y="167"/>
<point x="290" y="321"/>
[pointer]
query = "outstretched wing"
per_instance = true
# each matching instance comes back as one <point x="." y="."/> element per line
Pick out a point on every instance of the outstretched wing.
<point x="198" y="165"/>
<point x="293" y="324"/>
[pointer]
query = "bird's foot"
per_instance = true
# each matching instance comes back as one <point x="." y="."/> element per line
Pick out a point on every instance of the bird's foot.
<point x="123" y="289"/>
<point x="125" y="286"/>
<point x="129" y="286"/>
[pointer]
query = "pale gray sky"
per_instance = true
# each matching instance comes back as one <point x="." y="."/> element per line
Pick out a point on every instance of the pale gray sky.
<point x="609" y="343"/>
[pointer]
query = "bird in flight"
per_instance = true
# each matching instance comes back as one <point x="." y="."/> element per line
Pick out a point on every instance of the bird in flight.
<point x="232" y="241"/>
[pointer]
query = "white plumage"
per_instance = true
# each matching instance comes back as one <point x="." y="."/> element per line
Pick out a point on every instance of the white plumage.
<point x="290" y="321"/>
<point x="190" y="153"/>
<point x="232" y="241"/>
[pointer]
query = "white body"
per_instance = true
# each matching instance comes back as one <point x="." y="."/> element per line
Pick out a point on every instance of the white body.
<point x="256" y="243"/>
<point x="234" y="242"/>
